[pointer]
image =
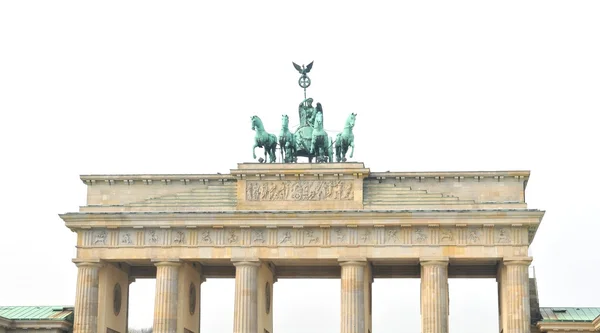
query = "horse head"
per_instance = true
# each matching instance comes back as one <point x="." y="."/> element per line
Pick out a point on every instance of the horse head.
<point x="319" y="120"/>
<point x="351" y="120"/>
<point x="284" y="120"/>
<point x="255" y="122"/>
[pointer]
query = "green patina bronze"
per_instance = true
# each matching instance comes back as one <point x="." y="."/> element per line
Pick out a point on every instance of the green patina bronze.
<point x="287" y="142"/>
<point x="263" y="139"/>
<point x="310" y="138"/>
<point x="345" y="140"/>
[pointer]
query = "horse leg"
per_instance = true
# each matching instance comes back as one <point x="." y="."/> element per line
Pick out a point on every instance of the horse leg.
<point x="254" y="149"/>
<point x="352" y="151"/>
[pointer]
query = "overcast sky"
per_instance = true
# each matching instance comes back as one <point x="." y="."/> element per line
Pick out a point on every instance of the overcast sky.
<point x="105" y="87"/>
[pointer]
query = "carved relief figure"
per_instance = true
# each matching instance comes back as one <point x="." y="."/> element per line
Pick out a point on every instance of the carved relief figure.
<point x="310" y="236"/>
<point x="287" y="237"/>
<point x="206" y="237"/>
<point x="153" y="237"/>
<point x="392" y="235"/>
<point x="126" y="239"/>
<point x="100" y="237"/>
<point x="179" y="238"/>
<point x="366" y="236"/>
<point x="421" y="235"/>
<point x="259" y="236"/>
<point x="340" y="234"/>
<point x="503" y="236"/>
<point x="447" y="235"/>
<point x="233" y="237"/>
<point x="473" y="236"/>
<point x="299" y="190"/>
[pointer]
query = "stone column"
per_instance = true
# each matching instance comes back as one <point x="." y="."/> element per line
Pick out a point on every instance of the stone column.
<point x="516" y="291"/>
<point x="166" y="297"/>
<point x="434" y="295"/>
<point x="353" y="296"/>
<point x="86" y="298"/>
<point x="245" y="317"/>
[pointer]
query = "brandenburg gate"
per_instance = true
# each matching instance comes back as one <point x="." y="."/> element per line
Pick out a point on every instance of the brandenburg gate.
<point x="266" y="221"/>
<point x="330" y="219"/>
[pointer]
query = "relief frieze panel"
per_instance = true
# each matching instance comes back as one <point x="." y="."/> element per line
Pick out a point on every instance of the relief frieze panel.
<point x="475" y="236"/>
<point x="503" y="236"/>
<point x="447" y="236"/>
<point x="339" y="236"/>
<point x="259" y="237"/>
<point x="285" y="236"/>
<point x="420" y="235"/>
<point x="321" y="190"/>
<point x="366" y="236"/>
<point x="179" y="237"/>
<point x="154" y="237"/>
<point x="206" y="236"/>
<point x="308" y="236"/>
<point x="233" y="237"/>
<point x="313" y="236"/>
<point x="392" y="235"/>
<point x="127" y="237"/>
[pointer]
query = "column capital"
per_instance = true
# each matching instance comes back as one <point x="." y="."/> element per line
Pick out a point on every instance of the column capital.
<point x="352" y="261"/>
<point x="88" y="263"/>
<point x="522" y="261"/>
<point x="166" y="262"/>
<point x="246" y="262"/>
<point x="438" y="261"/>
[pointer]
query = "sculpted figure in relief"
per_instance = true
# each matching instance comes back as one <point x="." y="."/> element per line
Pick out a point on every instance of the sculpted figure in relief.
<point x="299" y="190"/>
<point x="100" y="237"/>
<point x="392" y="235"/>
<point x="233" y="237"/>
<point x="421" y="235"/>
<point x="206" y="236"/>
<point x="341" y="234"/>
<point x="259" y="236"/>
<point x="126" y="239"/>
<point x="179" y="238"/>
<point x="287" y="237"/>
<point x="447" y="235"/>
<point x="503" y="236"/>
<point x="153" y="237"/>
<point x="473" y="236"/>
<point x="366" y="235"/>
<point x="310" y="235"/>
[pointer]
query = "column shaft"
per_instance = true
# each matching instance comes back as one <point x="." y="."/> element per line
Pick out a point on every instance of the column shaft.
<point x="165" y="303"/>
<point x="246" y="297"/>
<point x="353" y="297"/>
<point x="434" y="296"/>
<point x="86" y="298"/>
<point x="517" y="296"/>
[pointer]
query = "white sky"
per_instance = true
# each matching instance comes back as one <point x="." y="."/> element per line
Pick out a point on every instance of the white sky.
<point x="169" y="87"/>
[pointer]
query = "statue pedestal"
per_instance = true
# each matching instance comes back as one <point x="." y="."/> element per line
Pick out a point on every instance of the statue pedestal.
<point x="299" y="186"/>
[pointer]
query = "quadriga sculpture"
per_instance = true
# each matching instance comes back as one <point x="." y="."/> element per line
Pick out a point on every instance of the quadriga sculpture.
<point x="345" y="140"/>
<point x="320" y="143"/>
<point x="287" y="142"/>
<point x="263" y="139"/>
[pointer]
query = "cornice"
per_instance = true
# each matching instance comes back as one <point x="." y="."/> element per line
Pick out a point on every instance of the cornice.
<point x="530" y="218"/>
<point x="91" y="179"/>
<point x="302" y="169"/>
<point x="565" y="326"/>
<point x="452" y="174"/>
<point x="596" y="323"/>
<point x="35" y="324"/>
<point x="4" y="322"/>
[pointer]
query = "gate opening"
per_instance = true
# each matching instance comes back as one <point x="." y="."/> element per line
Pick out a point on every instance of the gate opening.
<point x="473" y="305"/>
<point x="307" y="305"/>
